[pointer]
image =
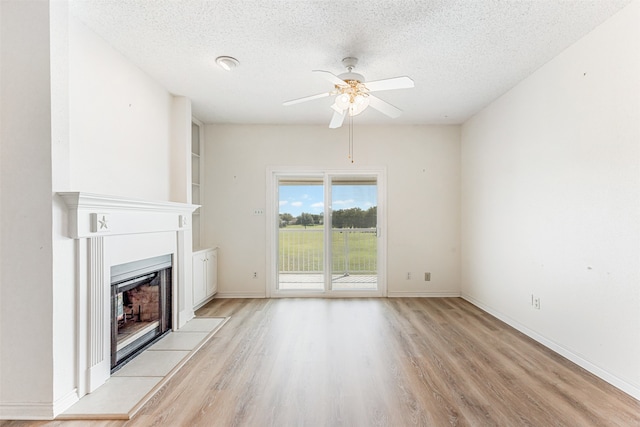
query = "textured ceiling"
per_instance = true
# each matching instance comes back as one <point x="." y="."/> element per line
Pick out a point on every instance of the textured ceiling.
<point x="462" y="54"/>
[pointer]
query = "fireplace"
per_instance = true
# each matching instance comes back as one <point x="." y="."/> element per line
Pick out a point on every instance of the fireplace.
<point x="140" y="306"/>
<point x="113" y="232"/>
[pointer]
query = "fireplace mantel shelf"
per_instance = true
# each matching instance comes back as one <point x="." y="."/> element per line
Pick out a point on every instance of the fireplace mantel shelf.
<point x="92" y="215"/>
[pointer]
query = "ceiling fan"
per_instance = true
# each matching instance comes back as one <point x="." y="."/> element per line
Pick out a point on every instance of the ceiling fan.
<point x="353" y="94"/>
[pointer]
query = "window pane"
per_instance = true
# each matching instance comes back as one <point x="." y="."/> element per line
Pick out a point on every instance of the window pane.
<point x="354" y="240"/>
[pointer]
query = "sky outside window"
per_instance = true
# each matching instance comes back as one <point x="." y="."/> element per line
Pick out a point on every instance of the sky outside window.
<point x="295" y="199"/>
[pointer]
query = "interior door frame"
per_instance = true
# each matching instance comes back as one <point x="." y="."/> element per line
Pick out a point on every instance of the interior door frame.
<point x="271" y="217"/>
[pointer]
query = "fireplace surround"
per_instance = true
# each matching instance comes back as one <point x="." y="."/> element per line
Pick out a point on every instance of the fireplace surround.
<point x="111" y="231"/>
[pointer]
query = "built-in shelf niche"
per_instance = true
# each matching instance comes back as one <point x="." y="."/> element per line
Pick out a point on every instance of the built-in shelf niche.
<point x="196" y="180"/>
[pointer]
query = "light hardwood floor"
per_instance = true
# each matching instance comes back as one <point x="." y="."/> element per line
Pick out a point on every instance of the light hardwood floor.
<point x="374" y="362"/>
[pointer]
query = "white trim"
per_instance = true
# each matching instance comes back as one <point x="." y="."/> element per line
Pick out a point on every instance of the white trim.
<point x="65" y="402"/>
<point x="99" y="338"/>
<point x="427" y="294"/>
<point x="333" y="294"/>
<point x="26" y="411"/>
<point x="327" y="272"/>
<point x="569" y="354"/>
<point x="224" y="295"/>
<point x="203" y="303"/>
<point x="182" y="296"/>
<point x="99" y="201"/>
<point x="37" y="411"/>
<point x="122" y="215"/>
<point x="82" y="306"/>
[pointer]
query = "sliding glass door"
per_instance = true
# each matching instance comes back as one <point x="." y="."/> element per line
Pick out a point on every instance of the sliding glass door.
<point x="327" y="236"/>
<point x="354" y="231"/>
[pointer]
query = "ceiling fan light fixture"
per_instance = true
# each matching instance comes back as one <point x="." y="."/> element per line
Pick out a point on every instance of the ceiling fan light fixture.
<point x="227" y="63"/>
<point x="360" y="103"/>
<point x="343" y="101"/>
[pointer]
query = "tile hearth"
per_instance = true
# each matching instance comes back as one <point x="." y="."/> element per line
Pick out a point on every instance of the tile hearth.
<point x="134" y="384"/>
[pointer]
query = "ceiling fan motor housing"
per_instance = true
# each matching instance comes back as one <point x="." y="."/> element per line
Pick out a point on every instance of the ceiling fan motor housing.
<point x="351" y="76"/>
<point x="350" y="63"/>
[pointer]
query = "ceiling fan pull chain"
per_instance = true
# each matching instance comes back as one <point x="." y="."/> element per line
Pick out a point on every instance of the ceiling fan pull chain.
<point x="351" y="137"/>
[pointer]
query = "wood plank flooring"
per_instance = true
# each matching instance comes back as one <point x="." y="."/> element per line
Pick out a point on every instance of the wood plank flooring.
<point x="374" y="362"/>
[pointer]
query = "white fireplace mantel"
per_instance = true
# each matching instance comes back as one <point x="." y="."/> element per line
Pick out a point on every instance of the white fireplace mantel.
<point x="92" y="215"/>
<point x="111" y="230"/>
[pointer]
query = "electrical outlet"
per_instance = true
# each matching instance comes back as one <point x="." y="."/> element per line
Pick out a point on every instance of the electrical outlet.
<point x="427" y="277"/>
<point x="255" y="274"/>
<point x="536" y="303"/>
<point x="408" y="276"/>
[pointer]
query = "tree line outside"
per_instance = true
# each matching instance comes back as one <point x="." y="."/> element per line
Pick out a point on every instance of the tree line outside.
<point x="342" y="218"/>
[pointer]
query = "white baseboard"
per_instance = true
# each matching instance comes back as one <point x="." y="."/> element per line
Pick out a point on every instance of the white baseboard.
<point x="26" y="411"/>
<point x="393" y="294"/>
<point x="202" y="304"/>
<point x="183" y="317"/>
<point x="66" y="402"/>
<point x="426" y="294"/>
<point x="612" y="379"/>
<point x="240" y="295"/>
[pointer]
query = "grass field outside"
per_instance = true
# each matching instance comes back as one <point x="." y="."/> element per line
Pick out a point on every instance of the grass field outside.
<point x="301" y="250"/>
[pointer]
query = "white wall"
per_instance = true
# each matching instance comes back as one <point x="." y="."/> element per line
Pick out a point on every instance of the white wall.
<point x="551" y="203"/>
<point x="423" y="187"/>
<point x="25" y="208"/>
<point x="120" y="123"/>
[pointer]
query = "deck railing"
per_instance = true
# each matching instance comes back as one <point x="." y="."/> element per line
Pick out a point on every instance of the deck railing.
<point x="354" y="250"/>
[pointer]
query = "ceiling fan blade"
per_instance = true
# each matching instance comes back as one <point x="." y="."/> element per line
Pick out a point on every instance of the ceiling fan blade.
<point x="403" y="82"/>
<point x="306" y="98"/>
<point x="337" y="119"/>
<point x="331" y="77"/>
<point x="384" y="107"/>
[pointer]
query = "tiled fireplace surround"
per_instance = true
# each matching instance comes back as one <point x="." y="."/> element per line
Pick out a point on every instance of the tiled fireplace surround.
<point x="110" y="231"/>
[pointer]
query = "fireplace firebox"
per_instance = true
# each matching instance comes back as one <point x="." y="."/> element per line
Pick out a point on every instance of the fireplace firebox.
<point x="140" y="306"/>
